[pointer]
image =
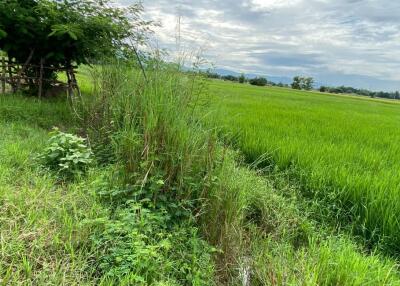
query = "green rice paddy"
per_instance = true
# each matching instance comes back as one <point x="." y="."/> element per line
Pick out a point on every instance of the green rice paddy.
<point x="344" y="148"/>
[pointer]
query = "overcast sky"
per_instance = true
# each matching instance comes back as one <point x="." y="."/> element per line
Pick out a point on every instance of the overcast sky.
<point x="350" y="42"/>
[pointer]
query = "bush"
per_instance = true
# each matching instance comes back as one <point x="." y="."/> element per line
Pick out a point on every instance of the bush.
<point x="259" y="81"/>
<point x="67" y="154"/>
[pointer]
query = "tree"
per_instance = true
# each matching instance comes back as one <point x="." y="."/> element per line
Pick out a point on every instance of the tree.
<point x="308" y="83"/>
<point x="296" y="84"/>
<point x="242" y="78"/>
<point x="323" y="89"/>
<point x="259" y="81"/>
<point x="63" y="33"/>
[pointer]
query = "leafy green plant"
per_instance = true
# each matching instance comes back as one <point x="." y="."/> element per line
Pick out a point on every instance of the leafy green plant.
<point x="67" y="154"/>
<point x="144" y="246"/>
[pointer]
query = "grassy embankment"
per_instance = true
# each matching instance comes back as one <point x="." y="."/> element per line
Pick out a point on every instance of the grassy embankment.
<point x="162" y="186"/>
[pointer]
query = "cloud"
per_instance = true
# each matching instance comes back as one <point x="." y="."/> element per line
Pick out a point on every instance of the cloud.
<point x="332" y="40"/>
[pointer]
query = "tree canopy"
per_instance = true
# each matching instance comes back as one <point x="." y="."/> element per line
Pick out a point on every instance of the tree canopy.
<point x="67" y="31"/>
<point x="305" y="83"/>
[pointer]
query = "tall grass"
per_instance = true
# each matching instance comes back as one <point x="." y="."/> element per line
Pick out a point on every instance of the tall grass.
<point x="151" y="125"/>
<point x="341" y="150"/>
<point x="145" y="126"/>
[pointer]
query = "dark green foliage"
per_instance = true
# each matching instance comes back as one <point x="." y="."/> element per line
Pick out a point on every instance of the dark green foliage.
<point x="296" y="84"/>
<point x="280" y="84"/>
<point x="308" y="83"/>
<point x="67" y="155"/>
<point x="259" y="81"/>
<point x="229" y="78"/>
<point x="323" y="88"/>
<point x="242" y="78"/>
<point x="210" y="74"/>
<point x="63" y="33"/>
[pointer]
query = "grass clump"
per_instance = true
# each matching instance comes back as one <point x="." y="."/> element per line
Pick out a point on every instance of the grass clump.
<point x="162" y="160"/>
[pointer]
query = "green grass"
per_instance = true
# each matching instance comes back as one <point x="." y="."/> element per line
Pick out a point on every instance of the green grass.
<point x="123" y="224"/>
<point x="41" y="239"/>
<point x="251" y="220"/>
<point x="338" y="147"/>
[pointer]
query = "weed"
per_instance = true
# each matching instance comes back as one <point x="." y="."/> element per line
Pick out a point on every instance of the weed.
<point x="68" y="155"/>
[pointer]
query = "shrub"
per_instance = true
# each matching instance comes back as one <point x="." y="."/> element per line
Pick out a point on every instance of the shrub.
<point x="67" y="154"/>
<point x="260" y="81"/>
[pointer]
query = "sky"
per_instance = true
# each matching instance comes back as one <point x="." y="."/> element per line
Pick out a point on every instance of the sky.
<point x="338" y="42"/>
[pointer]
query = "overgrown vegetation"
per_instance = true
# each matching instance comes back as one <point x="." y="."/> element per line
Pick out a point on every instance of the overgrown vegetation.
<point x="43" y="241"/>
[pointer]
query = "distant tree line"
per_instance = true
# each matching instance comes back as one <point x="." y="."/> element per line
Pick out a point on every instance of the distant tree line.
<point x="304" y="83"/>
<point x="241" y="79"/>
<point x="258" y="81"/>
<point x="364" y="92"/>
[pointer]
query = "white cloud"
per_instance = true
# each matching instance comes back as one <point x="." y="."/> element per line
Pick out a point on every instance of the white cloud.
<point x="328" y="39"/>
<point x="274" y="3"/>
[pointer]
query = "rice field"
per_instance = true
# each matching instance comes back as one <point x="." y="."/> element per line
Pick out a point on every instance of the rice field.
<point x="345" y="148"/>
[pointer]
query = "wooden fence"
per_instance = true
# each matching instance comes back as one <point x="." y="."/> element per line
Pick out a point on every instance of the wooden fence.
<point x="15" y="77"/>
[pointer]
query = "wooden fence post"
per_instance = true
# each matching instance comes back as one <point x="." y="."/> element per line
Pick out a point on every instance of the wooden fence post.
<point x="23" y="68"/>
<point x="41" y="78"/>
<point x="3" y="75"/>
<point x="10" y="74"/>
